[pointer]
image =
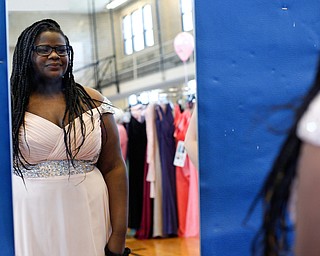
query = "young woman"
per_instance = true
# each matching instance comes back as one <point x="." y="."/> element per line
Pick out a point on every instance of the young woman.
<point x="69" y="183"/>
<point x="290" y="192"/>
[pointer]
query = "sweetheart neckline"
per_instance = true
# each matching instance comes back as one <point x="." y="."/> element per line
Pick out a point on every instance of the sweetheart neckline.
<point x="61" y="128"/>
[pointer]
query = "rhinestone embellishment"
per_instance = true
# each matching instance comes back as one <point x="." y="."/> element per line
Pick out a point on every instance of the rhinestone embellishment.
<point x="107" y="106"/>
<point x="53" y="168"/>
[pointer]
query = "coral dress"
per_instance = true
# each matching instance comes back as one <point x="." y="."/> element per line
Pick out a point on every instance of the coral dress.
<point x="187" y="185"/>
<point x="60" y="210"/>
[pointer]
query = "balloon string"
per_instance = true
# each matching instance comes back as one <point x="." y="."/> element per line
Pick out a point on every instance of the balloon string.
<point x="185" y="73"/>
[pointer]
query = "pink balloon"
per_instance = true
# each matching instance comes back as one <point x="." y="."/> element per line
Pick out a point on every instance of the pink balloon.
<point x="184" y="45"/>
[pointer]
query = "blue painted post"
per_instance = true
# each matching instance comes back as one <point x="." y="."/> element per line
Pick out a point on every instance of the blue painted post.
<point x="250" y="56"/>
<point x="6" y="221"/>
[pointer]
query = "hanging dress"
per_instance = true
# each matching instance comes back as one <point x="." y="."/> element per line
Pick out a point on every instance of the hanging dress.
<point x="182" y="173"/>
<point x="145" y="229"/>
<point x="151" y="222"/>
<point x="123" y="137"/>
<point x="137" y="143"/>
<point x="165" y="130"/>
<point x="187" y="185"/>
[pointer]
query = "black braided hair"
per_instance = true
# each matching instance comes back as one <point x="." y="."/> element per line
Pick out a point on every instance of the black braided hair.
<point x="21" y="81"/>
<point x="272" y="237"/>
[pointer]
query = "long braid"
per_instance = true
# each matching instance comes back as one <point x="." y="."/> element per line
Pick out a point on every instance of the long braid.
<point x="76" y="98"/>
<point x="74" y="108"/>
<point x="275" y="193"/>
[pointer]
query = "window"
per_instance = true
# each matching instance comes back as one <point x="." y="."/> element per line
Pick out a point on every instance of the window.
<point x="148" y="25"/>
<point x="127" y="34"/>
<point x="187" y="14"/>
<point x="138" y="30"/>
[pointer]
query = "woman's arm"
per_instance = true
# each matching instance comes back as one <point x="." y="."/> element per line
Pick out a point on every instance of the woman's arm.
<point x="191" y="139"/>
<point x="308" y="202"/>
<point x="113" y="168"/>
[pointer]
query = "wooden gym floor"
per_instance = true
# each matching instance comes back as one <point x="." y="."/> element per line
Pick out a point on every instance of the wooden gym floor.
<point x="164" y="246"/>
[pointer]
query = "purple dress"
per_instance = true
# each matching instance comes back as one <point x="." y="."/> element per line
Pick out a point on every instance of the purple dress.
<point x="165" y="130"/>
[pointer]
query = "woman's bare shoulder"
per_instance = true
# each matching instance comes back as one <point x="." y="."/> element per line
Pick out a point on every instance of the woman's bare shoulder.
<point x="94" y="94"/>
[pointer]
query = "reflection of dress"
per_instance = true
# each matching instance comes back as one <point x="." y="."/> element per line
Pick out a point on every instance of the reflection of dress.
<point x="123" y="136"/>
<point x="137" y="145"/>
<point x="165" y="130"/>
<point x="187" y="185"/>
<point x="56" y="213"/>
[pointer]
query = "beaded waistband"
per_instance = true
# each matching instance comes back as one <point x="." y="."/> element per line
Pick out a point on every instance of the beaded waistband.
<point x="56" y="168"/>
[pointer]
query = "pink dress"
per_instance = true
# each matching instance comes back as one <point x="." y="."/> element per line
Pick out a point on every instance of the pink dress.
<point x="123" y="136"/>
<point x="57" y="213"/>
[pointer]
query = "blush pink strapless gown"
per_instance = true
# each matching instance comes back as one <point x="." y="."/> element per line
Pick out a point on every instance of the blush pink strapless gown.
<point x="55" y="213"/>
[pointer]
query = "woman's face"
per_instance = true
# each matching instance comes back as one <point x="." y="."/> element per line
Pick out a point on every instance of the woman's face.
<point x="50" y="66"/>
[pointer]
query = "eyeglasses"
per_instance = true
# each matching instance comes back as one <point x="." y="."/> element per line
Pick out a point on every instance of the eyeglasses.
<point x="46" y="50"/>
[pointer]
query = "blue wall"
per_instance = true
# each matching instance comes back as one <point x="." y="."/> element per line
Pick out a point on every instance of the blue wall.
<point x="250" y="56"/>
<point x="6" y="223"/>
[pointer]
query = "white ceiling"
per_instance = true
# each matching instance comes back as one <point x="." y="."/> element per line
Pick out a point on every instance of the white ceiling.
<point x="73" y="6"/>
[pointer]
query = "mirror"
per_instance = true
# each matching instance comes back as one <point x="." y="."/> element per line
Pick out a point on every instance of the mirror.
<point x="150" y="71"/>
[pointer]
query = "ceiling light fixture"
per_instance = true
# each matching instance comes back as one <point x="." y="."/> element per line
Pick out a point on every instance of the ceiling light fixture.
<point x="115" y="3"/>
